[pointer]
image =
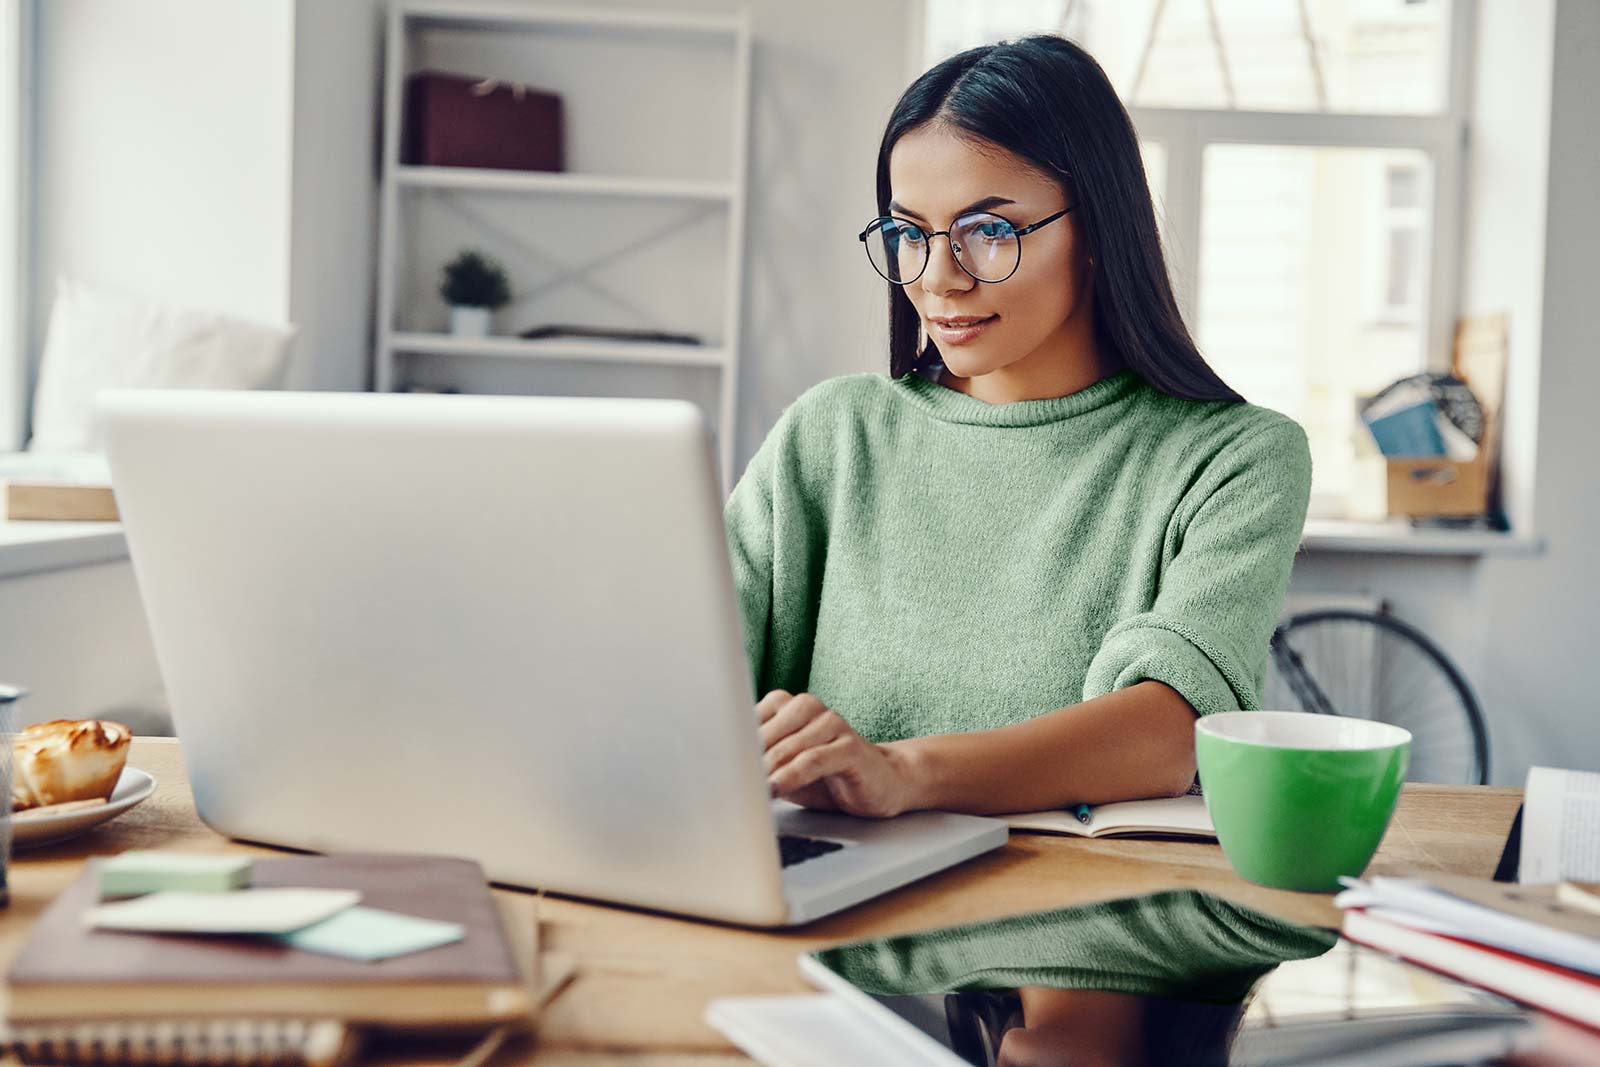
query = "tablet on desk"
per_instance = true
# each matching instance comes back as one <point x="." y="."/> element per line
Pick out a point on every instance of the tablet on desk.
<point x="1174" y="977"/>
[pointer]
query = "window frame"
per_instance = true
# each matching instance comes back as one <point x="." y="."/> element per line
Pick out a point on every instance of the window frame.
<point x="1185" y="133"/>
<point x="16" y="139"/>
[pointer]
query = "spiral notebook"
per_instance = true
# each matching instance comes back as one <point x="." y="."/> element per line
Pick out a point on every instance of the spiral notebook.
<point x="244" y="1042"/>
<point x="296" y="1042"/>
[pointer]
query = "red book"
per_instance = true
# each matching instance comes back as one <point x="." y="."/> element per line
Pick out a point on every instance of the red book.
<point x="1571" y="994"/>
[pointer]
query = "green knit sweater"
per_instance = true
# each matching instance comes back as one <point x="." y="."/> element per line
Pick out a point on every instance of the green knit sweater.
<point x="926" y="562"/>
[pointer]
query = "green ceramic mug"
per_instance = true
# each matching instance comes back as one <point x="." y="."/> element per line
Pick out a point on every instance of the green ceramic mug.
<point x="1299" y="799"/>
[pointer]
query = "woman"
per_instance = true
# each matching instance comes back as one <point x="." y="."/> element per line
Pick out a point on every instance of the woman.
<point x="1009" y="575"/>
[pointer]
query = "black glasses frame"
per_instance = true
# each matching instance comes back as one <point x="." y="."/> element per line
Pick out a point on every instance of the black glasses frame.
<point x="955" y="250"/>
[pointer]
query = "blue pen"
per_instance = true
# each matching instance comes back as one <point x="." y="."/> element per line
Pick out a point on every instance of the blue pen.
<point x="1082" y="812"/>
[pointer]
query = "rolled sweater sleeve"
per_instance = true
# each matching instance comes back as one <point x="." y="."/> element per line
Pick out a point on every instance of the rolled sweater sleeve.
<point x="1220" y="593"/>
<point x="776" y="544"/>
<point x="747" y="517"/>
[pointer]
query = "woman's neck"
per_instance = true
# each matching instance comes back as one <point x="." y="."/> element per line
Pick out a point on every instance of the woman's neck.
<point x="1048" y="372"/>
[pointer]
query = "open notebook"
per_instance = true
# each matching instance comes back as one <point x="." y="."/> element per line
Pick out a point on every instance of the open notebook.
<point x="1184" y="816"/>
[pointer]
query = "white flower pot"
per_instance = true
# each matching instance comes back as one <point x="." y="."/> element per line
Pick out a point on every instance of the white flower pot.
<point x="469" y="321"/>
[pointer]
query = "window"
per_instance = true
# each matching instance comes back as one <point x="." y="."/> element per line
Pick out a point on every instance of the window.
<point x="1305" y="159"/>
<point x="14" y="31"/>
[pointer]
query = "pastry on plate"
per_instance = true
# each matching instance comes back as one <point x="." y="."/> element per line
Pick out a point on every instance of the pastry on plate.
<point x="66" y="760"/>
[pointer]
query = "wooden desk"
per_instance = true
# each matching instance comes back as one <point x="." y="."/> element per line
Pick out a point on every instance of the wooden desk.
<point x="644" y="980"/>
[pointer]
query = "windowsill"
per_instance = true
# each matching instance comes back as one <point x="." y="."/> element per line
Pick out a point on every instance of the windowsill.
<point x="36" y="547"/>
<point x="1398" y="537"/>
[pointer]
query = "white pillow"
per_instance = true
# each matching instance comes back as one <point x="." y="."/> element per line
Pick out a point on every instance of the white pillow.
<point x="104" y="340"/>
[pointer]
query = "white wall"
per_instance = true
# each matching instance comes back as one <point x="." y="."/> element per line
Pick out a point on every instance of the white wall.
<point x="16" y="79"/>
<point x="76" y="639"/>
<point x="162" y="164"/>
<point x="1540" y="613"/>
<point x="334" y="200"/>
<point x="242" y="137"/>
<point x="1509" y="150"/>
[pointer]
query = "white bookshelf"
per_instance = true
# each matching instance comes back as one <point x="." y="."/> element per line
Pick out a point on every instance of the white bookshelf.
<point x="638" y="168"/>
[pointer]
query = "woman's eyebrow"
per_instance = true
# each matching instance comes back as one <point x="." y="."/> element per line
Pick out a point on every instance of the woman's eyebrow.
<point x="977" y="205"/>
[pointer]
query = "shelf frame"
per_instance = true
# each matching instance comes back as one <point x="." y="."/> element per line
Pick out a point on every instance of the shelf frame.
<point x="573" y="348"/>
<point x="477" y="179"/>
<point x="397" y="179"/>
<point x="496" y="17"/>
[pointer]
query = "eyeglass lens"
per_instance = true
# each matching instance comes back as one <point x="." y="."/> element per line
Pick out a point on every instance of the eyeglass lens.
<point x="986" y="246"/>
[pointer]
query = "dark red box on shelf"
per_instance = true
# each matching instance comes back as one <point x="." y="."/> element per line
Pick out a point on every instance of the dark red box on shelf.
<point x="453" y="120"/>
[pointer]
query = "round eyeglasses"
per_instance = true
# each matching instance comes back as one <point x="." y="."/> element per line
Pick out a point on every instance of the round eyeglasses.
<point x="987" y="246"/>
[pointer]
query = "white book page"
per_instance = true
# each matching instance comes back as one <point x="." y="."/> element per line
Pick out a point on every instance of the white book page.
<point x="1185" y="815"/>
<point x="1046" y="822"/>
<point x="1416" y="903"/>
<point x="1560" y="827"/>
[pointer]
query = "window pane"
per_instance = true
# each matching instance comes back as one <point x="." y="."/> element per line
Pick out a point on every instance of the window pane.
<point x="1369" y="55"/>
<point x="1405" y="187"/>
<point x="1401" y="292"/>
<point x="1297" y="267"/>
<point x="951" y="26"/>
<point x="1155" y="172"/>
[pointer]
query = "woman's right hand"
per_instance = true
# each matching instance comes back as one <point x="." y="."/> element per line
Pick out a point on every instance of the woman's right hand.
<point x="816" y="759"/>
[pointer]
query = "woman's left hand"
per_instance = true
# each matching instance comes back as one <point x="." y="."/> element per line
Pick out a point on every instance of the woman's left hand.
<point x="815" y="759"/>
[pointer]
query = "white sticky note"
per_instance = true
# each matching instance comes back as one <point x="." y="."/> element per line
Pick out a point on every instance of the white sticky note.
<point x="245" y="911"/>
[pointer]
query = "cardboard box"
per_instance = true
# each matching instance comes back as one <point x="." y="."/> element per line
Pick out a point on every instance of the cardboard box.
<point x="1438" y="487"/>
<point x="1427" y="487"/>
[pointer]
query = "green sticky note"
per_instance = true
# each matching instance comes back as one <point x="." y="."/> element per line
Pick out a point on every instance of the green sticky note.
<point x="361" y="933"/>
<point x="137" y="872"/>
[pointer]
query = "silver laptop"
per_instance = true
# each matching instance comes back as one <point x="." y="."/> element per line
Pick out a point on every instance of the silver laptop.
<point x="500" y="627"/>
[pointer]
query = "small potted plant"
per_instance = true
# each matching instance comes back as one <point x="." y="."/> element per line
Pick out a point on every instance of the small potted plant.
<point x="474" y="286"/>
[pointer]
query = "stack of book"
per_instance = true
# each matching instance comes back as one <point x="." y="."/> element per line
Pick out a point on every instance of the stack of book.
<point x="1536" y="944"/>
<point x="87" y="990"/>
<point x="44" y="487"/>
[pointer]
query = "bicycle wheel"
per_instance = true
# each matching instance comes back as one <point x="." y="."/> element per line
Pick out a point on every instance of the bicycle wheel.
<point x="1373" y="666"/>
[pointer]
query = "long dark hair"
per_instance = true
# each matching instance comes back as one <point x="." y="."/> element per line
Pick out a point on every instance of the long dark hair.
<point x="1047" y="100"/>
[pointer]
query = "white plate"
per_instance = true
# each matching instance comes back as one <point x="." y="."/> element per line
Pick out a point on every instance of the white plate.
<point x="132" y="787"/>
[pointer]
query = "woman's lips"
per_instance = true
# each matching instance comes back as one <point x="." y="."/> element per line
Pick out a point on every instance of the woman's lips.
<point x="960" y="335"/>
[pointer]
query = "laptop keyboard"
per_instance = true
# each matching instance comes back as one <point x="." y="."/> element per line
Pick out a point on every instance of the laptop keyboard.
<point x="793" y="849"/>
